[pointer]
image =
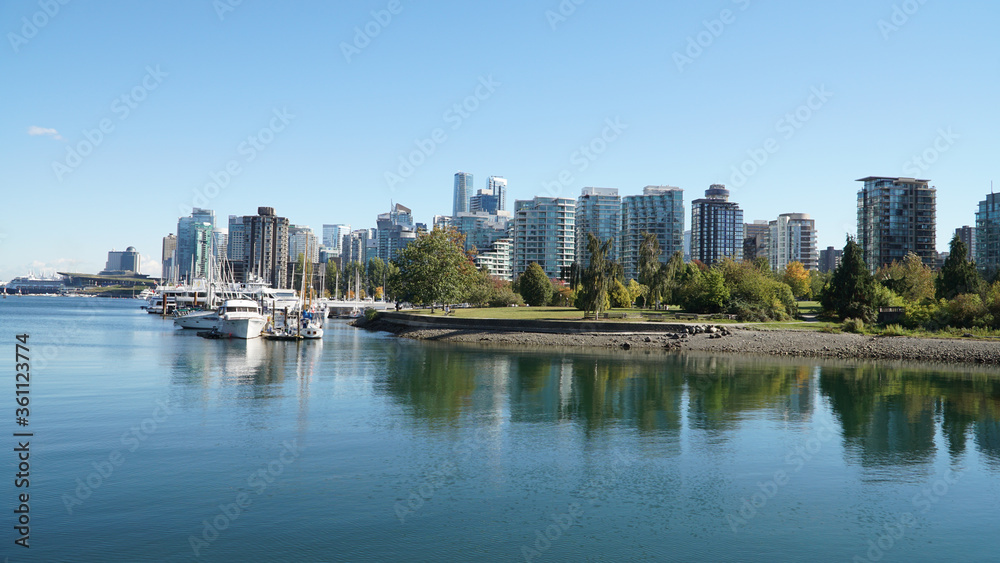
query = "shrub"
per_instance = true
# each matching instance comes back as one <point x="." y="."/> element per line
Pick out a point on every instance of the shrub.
<point x="894" y="330"/>
<point x="856" y="326"/>
<point x="619" y="295"/>
<point x="505" y="298"/>
<point x="967" y="310"/>
<point x="922" y="315"/>
<point x="370" y="314"/>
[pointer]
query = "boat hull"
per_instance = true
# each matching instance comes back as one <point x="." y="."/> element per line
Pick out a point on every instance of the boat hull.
<point x="199" y="321"/>
<point x="242" y="328"/>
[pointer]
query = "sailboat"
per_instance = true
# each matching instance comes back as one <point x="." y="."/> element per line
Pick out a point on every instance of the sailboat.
<point x="312" y="322"/>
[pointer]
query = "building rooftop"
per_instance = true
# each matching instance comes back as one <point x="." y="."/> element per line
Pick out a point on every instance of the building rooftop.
<point x="894" y="179"/>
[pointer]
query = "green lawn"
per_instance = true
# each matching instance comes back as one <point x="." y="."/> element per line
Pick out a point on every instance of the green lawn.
<point x="810" y="308"/>
<point x="526" y="313"/>
<point x="555" y="313"/>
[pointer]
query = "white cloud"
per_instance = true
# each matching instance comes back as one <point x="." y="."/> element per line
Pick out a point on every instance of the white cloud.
<point x="35" y="130"/>
<point x="151" y="267"/>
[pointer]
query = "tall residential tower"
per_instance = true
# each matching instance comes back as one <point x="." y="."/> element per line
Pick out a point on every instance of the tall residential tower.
<point x="896" y="216"/>
<point x="716" y="227"/>
<point x="660" y="211"/>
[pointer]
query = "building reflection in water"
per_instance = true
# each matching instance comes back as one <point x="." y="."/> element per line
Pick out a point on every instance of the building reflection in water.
<point x="888" y="415"/>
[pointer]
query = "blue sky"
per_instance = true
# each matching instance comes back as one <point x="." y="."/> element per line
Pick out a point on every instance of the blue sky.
<point x="696" y="90"/>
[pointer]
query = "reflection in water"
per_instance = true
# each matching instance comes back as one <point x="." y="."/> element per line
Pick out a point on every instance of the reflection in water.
<point x="890" y="414"/>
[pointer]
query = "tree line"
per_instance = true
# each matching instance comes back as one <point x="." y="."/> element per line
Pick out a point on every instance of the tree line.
<point x="957" y="296"/>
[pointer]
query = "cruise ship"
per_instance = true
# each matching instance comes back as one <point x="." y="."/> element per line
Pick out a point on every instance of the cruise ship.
<point x="33" y="285"/>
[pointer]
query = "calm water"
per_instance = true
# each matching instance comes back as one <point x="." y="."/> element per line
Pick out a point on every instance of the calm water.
<point x="366" y="448"/>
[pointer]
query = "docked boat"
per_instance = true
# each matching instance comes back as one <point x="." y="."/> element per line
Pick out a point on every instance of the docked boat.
<point x="196" y="319"/>
<point x="312" y="325"/>
<point x="240" y="318"/>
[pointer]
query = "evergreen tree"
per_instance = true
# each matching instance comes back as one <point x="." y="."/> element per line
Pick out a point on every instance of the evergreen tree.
<point x="958" y="275"/>
<point x="851" y="292"/>
<point x="534" y="286"/>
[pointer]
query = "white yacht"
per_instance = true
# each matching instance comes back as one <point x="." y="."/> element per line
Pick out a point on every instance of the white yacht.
<point x="277" y="299"/>
<point x="196" y="319"/>
<point x="240" y="318"/>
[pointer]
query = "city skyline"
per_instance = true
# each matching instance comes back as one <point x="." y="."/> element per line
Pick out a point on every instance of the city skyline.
<point x="776" y="101"/>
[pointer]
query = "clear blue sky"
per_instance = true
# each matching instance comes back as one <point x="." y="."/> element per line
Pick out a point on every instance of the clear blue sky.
<point x="555" y="83"/>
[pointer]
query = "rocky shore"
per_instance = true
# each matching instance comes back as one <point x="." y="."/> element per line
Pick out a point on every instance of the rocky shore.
<point x="725" y="340"/>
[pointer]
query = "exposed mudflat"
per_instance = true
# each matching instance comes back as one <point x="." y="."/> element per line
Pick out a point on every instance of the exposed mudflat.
<point x="729" y="340"/>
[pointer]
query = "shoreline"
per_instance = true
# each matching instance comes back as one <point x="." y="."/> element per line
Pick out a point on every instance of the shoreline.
<point x="722" y="339"/>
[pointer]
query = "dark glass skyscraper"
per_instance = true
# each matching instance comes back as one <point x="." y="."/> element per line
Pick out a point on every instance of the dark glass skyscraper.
<point x="716" y="227"/>
<point x="897" y="216"/>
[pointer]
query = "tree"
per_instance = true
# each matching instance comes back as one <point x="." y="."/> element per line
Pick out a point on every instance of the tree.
<point x="353" y="273"/>
<point x="636" y="291"/>
<point x="958" y="275"/>
<point x="851" y="292"/>
<point x="377" y="274"/>
<point x="619" y="295"/>
<point x="817" y="281"/>
<point x="755" y="294"/>
<point x="667" y="283"/>
<point x="909" y="278"/>
<point x="650" y="267"/>
<point x="534" y="286"/>
<point x="332" y="276"/>
<point x="434" y="269"/>
<point x="598" y="276"/>
<point x="797" y="278"/>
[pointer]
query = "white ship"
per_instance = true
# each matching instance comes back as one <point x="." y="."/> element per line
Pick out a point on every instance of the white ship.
<point x="240" y="318"/>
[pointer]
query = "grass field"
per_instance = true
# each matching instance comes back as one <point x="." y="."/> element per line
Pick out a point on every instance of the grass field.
<point x="554" y="314"/>
<point x="522" y="313"/>
<point x="810" y="308"/>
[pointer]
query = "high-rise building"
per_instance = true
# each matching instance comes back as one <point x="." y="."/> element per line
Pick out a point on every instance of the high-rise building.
<point x="792" y="238"/>
<point x="988" y="235"/>
<point x="484" y="200"/>
<point x="497" y="185"/>
<point x="462" y="193"/>
<point x="333" y="237"/>
<point x="266" y="248"/>
<point x="123" y="262"/>
<point x="544" y="232"/>
<point x="442" y="221"/>
<point x="497" y="260"/>
<point x="967" y="235"/>
<point x="598" y="212"/>
<point x="395" y="230"/>
<point x="220" y="244"/>
<point x="354" y="247"/>
<point x="755" y="244"/>
<point x="235" y="249"/>
<point x="660" y="211"/>
<point x="302" y="240"/>
<point x="829" y="259"/>
<point x="896" y="216"/>
<point x="482" y="229"/>
<point x="716" y="227"/>
<point x="168" y="258"/>
<point x="193" y="245"/>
